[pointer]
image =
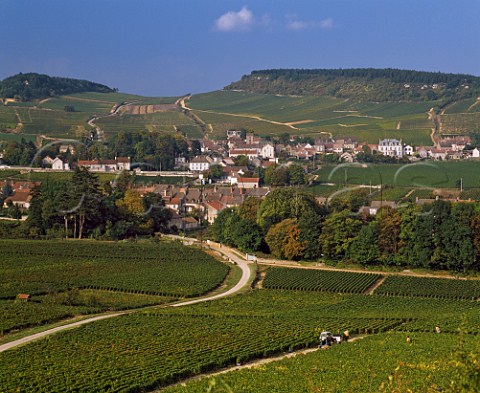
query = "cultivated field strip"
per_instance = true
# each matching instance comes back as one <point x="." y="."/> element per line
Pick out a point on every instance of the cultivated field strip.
<point x="166" y="269"/>
<point x="316" y="280"/>
<point x="430" y="287"/>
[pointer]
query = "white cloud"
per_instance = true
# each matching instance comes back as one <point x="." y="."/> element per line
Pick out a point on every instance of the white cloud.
<point x="293" y="23"/>
<point x="235" y="21"/>
<point x="296" y="25"/>
<point x="326" y="23"/>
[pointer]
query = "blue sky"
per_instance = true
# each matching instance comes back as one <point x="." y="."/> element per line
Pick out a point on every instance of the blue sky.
<point x="173" y="47"/>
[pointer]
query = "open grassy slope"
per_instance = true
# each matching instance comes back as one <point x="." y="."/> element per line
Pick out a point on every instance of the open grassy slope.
<point x="315" y="116"/>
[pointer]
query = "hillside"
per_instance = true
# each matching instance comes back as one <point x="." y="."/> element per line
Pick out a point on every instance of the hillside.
<point x="367" y="104"/>
<point x="26" y="87"/>
<point x="361" y="84"/>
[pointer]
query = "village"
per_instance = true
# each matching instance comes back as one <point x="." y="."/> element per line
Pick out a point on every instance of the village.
<point x="238" y="160"/>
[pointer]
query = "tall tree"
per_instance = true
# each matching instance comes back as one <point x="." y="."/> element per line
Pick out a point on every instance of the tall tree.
<point x="247" y="235"/>
<point x="224" y="226"/>
<point x="338" y="232"/>
<point x="248" y="210"/>
<point x="389" y="221"/>
<point x="285" y="203"/>
<point x="86" y="193"/>
<point x="364" y="248"/>
<point x="35" y="219"/>
<point x="283" y="239"/>
<point x="310" y="225"/>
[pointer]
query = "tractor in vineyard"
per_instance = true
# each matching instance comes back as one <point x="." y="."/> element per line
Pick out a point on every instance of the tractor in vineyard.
<point x="327" y="339"/>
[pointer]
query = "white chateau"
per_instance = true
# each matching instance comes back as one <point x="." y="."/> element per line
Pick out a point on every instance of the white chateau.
<point x="390" y="147"/>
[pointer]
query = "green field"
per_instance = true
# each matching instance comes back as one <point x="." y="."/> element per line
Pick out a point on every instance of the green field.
<point x="459" y="123"/>
<point x="220" y="123"/>
<point x="37" y="267"/>
<point x="17" y="137"/>
<point x="80" y="105"/>
<point x="155" y="348"/>
<point x="69" y="278"/>
<point x="421" y="174"/>
<point x="159" y="121"/>
<point x="430" y="287"/>
<point x="318" y="281"/>
<point x="382" y="363"/>
<point x="471" y="105"/>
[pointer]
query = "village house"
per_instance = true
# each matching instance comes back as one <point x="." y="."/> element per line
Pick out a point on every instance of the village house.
<point x="350" y="143"/>
<point x="250" y="153"/>
<point x="346" y="157"/>
<point x="20" y="198"/>
<point x="423" y="152"/>
<point x="118" y="164"/>
<point x="182" y="223"/>
<point x="213" y="208"/>
<point x="246" y="182"/>
<point x="180" y="162"/>
<point x="438" y="154"/>
<point x="200" y="163"/>
<point x="267" y="151"/>
<point x="209" y="146"/>
<point x="375" y="206"/>
<point x="408" y="150"/>
<point x="47" y="161"/>
<point x="338" y="146"/>
<point x="456" y="143"/>
<point x="64" y="148"/>
<point x="59" y="165"/>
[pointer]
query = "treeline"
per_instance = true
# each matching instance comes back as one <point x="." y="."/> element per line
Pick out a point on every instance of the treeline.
<point x="362" y="84"/>
<point x="290" y="225"/>
<point x="26" y="87"/>
<point x="150" y="150"/>
<point x="157" y="150"/>
<point x="18" y="153"/>
<point x="392" y="74"/>
<point x="85" y="207"/>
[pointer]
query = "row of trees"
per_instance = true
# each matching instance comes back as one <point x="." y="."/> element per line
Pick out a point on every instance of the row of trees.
<point x="290" y="224"/>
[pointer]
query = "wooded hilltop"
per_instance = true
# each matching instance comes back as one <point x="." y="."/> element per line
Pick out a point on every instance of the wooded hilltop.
<point x="26" y="87"/>
<point x="361" y="84"/>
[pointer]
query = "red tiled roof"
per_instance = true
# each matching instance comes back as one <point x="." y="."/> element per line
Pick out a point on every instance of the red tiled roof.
<point x="19" y="196"/>
<point x="217" y="205"/>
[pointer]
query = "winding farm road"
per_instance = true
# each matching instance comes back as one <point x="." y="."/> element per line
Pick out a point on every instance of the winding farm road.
<point x="246" y="276"/>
